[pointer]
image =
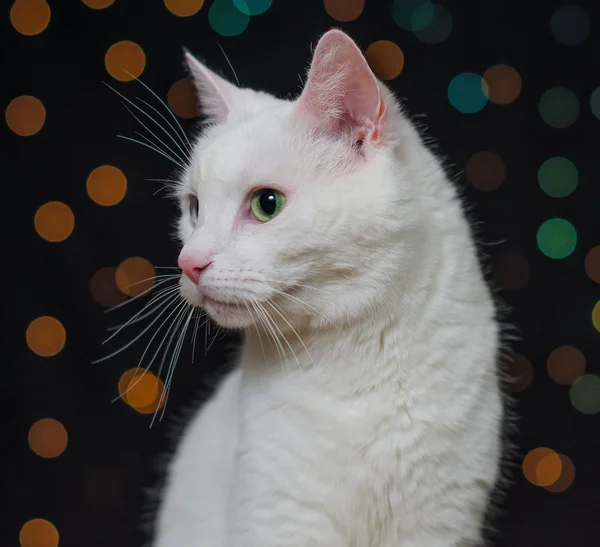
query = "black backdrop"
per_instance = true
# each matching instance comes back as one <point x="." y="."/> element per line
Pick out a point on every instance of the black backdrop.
<point x="92" y="491"/>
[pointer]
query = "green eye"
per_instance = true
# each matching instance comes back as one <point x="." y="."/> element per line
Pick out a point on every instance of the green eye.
<point x="266" y="204"/>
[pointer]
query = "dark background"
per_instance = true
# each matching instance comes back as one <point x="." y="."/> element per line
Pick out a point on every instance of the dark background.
<point x="94" y="491"/>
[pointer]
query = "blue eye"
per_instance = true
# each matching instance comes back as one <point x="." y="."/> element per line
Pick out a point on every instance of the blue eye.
<point x="193" y="208"/>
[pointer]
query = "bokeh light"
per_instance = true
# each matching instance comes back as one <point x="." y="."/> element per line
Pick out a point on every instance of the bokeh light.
<point x="503" y="82"/>
<point x="252" y="7"/>
<point x="106" y="185"/>
<point x="486" y="171"/>
<point x="344" y="10"/>
<point x="103" y="287"/>
<point x="585" y="394"/>
<point x="542" y="466"/>
<point x="46" y="336"/>
<point x="385" y="59"/>
<point x="558" y="177"/>
<point x="47" y="438"/>
<point x="559" y="107"/>
<point x="570" y="25"/>
<point x="557" y="238"/>
<point x="592" y="264"/>
<point x="565" y="365"/>
<point x="54" y="221"/>
<point x="25" y="115"/>
<point x="595" y="102"/>
<point x="125" y="61"/>
<point x="596" y="316"/>
<point x="226" y="20"/>
<point x="98" y="4"/>
<point x="511" y="270"/>
<point x="439" y="29"/>
<point x="566" y="478"/>
<point x="181" y="98"/>
<point x="134" y="276"/>
<point x="38" y="533"/>
<point x="413" y="15"/>
<point x="141" y="390"/>
<point x="467" y="92"/>
<point x="30" y="17"/>
<point x="520" y="373"/>
<point x="184" y="8"/>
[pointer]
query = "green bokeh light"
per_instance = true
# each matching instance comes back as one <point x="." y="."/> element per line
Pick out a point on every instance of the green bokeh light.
<point x="413" y="15"/>
<point x="439" y="29"/>
<point x="467" y="92"/>
<point x="595" y="102"/>
<point x="559" y="107"/>
<point x="585" y="394"/>
<point x="557" y="238"/>
<point x="226" y="20"/>
<point x="558" y="177"/>
<point x="252" y="7"/>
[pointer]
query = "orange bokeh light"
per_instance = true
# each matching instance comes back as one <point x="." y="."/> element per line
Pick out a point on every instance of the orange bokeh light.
<point x="30" y="17"/>
<point x="385" y="59"/>
<point x="25" y="115"/>
<point x="184" y="8"/>
<point x="567" y="476"/>
<point x="142" y="390"/>
<point x="98" y="4"/>
<point x="46" y="336"/>
<point x="344" y="10"/>
<point x="48" y="438"/>
<point x="592" y="264"/>
<point x="182" y="98"/>
<point x="565" y="365"/>
<point x="54" y="221"/>
<point x="106" y="185"/>
<point x="542" y="466"/>
<point x="125" y="61"/>
<point x="503" y="82"/>
<point x="104" y="288"/>
<point x="134" y="276"/>
<point x="38" y="533"/>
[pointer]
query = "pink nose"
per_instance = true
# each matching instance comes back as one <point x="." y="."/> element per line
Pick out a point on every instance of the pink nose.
<point x="193" y="265"/>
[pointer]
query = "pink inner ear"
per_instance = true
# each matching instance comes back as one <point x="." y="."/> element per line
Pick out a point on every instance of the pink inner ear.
<point x="342" y="92"/>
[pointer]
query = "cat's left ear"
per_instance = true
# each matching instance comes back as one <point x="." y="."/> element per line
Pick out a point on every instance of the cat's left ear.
<point x="217" y="97"/>
<point x="342" y="94"/>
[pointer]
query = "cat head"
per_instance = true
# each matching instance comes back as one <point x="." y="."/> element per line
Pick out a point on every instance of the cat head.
<point x="297" y="209"/>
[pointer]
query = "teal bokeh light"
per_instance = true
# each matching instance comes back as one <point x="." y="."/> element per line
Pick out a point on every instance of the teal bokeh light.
<point x="252" y="7"/>
<point x="557" y="238"/>
<point x="440" y="27"/>
<point x="226" y="20"/>
<point x="467" y="92"/>
<point x="595" y="102"/>
<point x="413" y="15"/>
<point x="558" y="177"/>
<point x="559" y="107"/>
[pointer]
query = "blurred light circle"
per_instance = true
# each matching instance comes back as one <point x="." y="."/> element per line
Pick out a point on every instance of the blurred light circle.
<point x="125" y="61"/>
<point x="25" y="115"/>
<point x="252" y="7"/>
<point x="559" y="107"/>
<point x="596" y="316"/>
<point x="566" y="478"/>
<point x="98" y="4"/>
<point x="570" y="25"/>
<point x="504" y="84"/>
<point x="595" y="102"/>
<point x="538" y="469"/>
<point x="46" y="336"/>
<point x="413" y="15"/>
<point x="511" y="270"/>
<point x="181" y="98"/>
<point x="486" y="171"/>
<point x="141" y="390"/>
<point x="106" y="185"/>
<point x="592" y="264"/>
<point x="38" y="533"/>
<point x="30" y="17"/>
<point x="558" y="177"/>
<point x="467" y="92"/>
<point x="439" y="29"/>
<point x="47" y="438"/>
<point x="520" y="373"/>
<point x="104" y="288"/>
<point x="385" y="59"/>
<point x="565" y="365"/>
<point x="557" y="238"/>
<point x="54" y="221"/>
<point x="344" y="10"/>
<point x="184" y="8"/>
<point x="134" y="276"/>
<point x="226" y="20"/>
<point x="585" y="394"/>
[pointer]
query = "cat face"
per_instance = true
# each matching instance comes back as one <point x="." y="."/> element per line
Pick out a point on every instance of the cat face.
<point x="291" y="208"/>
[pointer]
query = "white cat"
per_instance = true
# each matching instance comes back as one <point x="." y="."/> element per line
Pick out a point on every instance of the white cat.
<point x="365" y="410"/>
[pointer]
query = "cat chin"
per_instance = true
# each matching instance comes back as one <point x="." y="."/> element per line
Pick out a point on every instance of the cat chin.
<point x="228" y="317"/>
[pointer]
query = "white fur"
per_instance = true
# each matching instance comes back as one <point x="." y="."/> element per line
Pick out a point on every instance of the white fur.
<point x="382" y="426"/>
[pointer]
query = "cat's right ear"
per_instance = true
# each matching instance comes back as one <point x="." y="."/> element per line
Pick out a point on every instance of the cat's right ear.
<point x="217" y="97"/>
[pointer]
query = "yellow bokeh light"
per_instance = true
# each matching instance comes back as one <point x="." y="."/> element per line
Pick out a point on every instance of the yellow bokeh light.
<point x="46" y="336"/>
<point x="98" y="4"/>
<point x="30" y="17"/>
<point x="182" y="98"/>
<point x="503" y="84"/>
<point x="48" y="438"/>
<point x="38" y="533"/>
<point x="184" y="8"/>
<point x="54" y="221"/>
<point x="25" y="115"/>
<point x="106" y="185"/>
<point x="344" y="10"/>
<point x="134" y="276"/>
<point x="125" y="61"/>
<point x="141" y="390"/>
<point x="385" y="59"/>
